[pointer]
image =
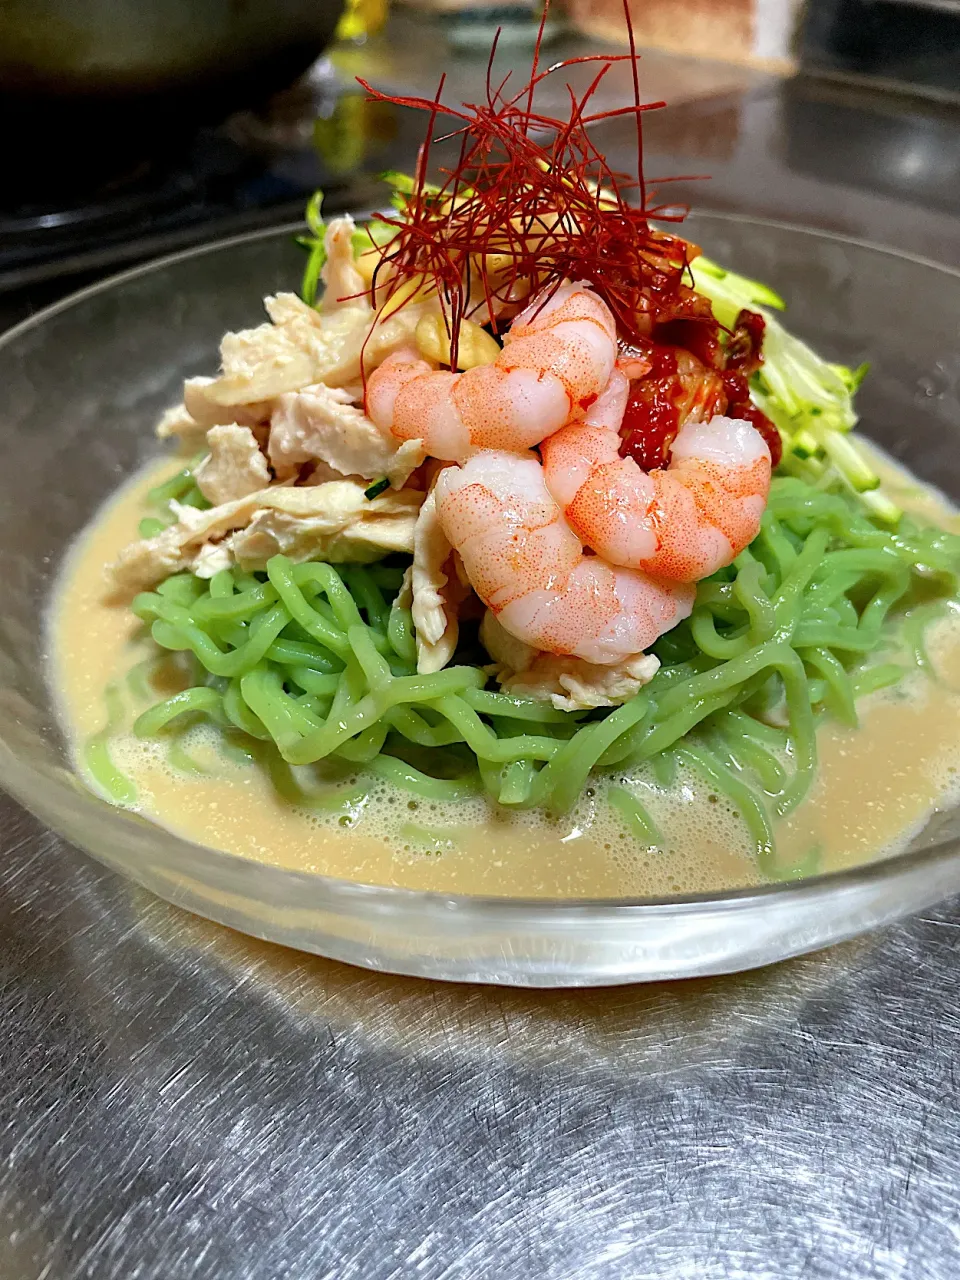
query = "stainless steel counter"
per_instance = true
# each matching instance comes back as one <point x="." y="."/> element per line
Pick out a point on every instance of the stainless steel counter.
<point x="177" y="1101"/>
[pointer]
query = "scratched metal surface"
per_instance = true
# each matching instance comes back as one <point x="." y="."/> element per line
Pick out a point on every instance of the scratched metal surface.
<point x="179" y="1101"/>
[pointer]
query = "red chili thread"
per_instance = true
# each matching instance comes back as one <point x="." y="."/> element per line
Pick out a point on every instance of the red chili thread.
<point x="532" y="203"/>
<point x="534" y="190"/>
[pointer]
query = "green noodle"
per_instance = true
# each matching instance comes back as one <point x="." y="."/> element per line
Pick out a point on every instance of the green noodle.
<point x="181" y="759"/>
<point x="635" y="815"/>
<point x="181" y="488"/>
<point x="310" y="663"/>
<point x="96" y="755"/>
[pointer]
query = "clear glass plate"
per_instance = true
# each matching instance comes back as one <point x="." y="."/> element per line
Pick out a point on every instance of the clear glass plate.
<point x="83" y="384"/>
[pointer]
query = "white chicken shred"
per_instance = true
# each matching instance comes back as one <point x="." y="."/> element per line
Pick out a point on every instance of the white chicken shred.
<point x="234" y="467"/>
<point x="297" y="348"/>
<point x="343" y="282"/>
<point x="434" y="597"/>
<point x="319" y="424"/>
<point x="200" y="404"/>
<point x="189" y="420"/>
<point x="177" y="423"/>
<point x="290" y="451"/>
<point x="334" y="522"/>
<point x="567" y="683"/>
<point x="301" y="346"/>
<point x="291" y="455"/>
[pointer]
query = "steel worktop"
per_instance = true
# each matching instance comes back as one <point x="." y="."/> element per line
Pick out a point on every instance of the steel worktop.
<point x="179" y="1101"/>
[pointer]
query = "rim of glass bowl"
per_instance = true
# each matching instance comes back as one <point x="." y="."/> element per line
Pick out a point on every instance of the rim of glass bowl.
<point x="332" y="888"/>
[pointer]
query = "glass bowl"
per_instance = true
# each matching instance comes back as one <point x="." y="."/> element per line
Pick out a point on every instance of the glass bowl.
<point x="83" y="384"/>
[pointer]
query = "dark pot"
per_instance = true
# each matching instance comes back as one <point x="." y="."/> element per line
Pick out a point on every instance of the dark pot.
<point x="85" y="85"/>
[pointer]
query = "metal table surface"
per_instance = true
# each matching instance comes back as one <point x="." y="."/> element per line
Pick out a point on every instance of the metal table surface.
<point x="178" y="1101"/>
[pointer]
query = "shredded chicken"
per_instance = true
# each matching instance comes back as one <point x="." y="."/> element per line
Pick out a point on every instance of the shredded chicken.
<point x="569" y="684"/>
<point x="302" y="347"/>
<point x="190" y="420"/>
<point x="292" y="453"/>
<point x="178" y="423"/>
<point x="333" y="522"/>
<point x="509" y="654"/>
<point x="436" y="591"/>
<point x="323" y="473"/>
<point x="319" y="424"/>
<point x="343" y="282"/>
<point x="234" y="466"/>
<point x="297" y="348"/>
<point x="201" y="406"/>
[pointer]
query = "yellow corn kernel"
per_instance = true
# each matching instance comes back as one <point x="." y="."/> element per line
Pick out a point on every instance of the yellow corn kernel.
<point x="476" y="346"/>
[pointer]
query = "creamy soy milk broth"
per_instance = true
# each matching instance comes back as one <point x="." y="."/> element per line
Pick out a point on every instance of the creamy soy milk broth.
<point x="876" y="785"/>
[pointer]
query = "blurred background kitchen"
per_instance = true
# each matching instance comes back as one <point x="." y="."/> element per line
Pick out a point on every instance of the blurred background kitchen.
<point x="135" y="127"/>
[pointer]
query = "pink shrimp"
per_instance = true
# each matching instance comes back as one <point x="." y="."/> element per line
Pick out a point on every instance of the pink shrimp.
<point x="682" y="523"/>
<point x="527" y="565"/>
<point x="556" y="359"/>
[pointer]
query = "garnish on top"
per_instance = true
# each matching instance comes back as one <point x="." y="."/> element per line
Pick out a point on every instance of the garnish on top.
<point x="531" y="203"/>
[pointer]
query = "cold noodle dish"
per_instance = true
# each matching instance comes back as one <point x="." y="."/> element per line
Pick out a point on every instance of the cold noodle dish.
<point x="523" y="551"/>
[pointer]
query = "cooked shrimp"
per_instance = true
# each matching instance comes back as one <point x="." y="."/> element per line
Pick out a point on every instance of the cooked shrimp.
<point x="557" y="358"/>
<point x="527" y="565"/>
<point x="682" y="523"/>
